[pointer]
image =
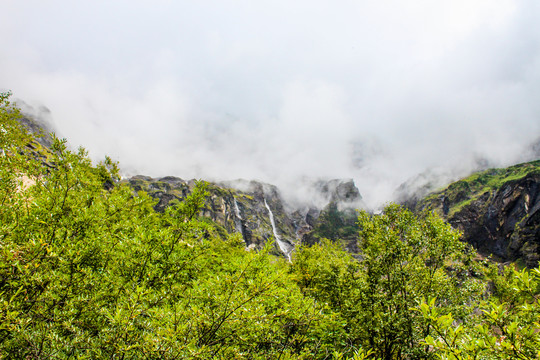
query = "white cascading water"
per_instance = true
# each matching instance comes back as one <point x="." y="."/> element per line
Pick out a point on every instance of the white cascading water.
<point x="238" y="218"/>
<point x="237" y="210"/>
<point x="282" y="245"/>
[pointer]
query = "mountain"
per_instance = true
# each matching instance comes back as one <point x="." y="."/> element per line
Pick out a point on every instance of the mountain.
<point x="38" y="122"/>
<point x="258" y="212"/>
<point x="255" y="210"/>
<point x="498" y="211"/>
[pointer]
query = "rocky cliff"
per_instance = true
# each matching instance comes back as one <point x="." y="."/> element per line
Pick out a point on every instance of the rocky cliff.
<point x="498" y="211"/>
<point x="259" y="212"/>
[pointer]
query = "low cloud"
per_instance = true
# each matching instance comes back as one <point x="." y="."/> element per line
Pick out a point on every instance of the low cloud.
<point x="278" y="91"/>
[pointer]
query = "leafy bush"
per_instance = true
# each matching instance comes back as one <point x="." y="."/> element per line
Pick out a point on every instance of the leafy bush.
<point x="405" y="258"/>
<point x="505" y="327"/>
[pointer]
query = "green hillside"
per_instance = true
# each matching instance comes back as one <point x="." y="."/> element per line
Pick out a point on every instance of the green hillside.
<point x="463" y="192"/>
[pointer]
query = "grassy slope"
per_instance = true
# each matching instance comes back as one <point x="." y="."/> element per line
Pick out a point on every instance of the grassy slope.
<point x="463" y="192"/>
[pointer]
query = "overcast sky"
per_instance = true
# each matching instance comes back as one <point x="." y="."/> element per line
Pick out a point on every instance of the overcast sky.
<point x="378" y="91"/>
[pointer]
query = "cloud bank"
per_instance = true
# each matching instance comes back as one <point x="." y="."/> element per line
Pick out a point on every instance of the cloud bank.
<point x="278" y="90"/>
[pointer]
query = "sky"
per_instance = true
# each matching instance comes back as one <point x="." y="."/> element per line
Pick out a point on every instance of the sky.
<point x="376" y="91"/>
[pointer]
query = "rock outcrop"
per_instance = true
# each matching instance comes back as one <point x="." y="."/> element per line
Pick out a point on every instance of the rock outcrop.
<point x="497" y="210"/>
<point x="244" y="207"/>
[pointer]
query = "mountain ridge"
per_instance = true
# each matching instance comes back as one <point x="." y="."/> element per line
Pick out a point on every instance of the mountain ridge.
<point x="247" y="207"/>
<point x="498" y="211"/>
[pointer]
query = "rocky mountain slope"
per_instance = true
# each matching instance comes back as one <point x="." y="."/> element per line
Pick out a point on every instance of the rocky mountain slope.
<point x="258" y="211"/>
<point x="498" y="211"/>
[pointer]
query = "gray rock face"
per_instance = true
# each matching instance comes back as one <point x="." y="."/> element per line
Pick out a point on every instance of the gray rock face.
<point x="38" y="122"/>
<point x="502" y="221"/>
<point x="339" y="191"/>
<point x="505" y="222"/>
<point x="244" y="207"/>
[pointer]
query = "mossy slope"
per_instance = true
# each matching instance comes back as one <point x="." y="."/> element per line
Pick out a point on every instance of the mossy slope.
<point x="498" y="210"/>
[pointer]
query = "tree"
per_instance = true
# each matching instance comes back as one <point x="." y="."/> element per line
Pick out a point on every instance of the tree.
<point x="407" y="258"/>
<point x="88" y="269"/>
<point x="404" y="258"/>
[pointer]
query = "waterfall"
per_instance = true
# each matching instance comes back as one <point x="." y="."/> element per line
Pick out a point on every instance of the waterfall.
<point x="237" y="209"/>
<point x="238" y="219"/>
<point x="282" y="245"/>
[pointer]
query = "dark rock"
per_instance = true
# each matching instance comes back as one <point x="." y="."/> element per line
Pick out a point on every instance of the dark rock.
<point x="240" y="206"/>
<point x="501" y="221"/>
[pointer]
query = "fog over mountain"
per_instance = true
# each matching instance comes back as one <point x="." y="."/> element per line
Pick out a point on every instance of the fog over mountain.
<point x="279" y="91"/>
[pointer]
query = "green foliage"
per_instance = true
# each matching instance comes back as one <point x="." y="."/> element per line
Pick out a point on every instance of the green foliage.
<point x="505" y="328"/>
<point x="330" y="275"/>
<point x="335" y="224"/>
<point x="495" y="178"/>
<point x="405" y="258"/>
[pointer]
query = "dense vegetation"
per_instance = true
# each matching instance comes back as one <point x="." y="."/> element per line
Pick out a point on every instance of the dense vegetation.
<point x="88" y="269"/>
<point x="337" y="225"/>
